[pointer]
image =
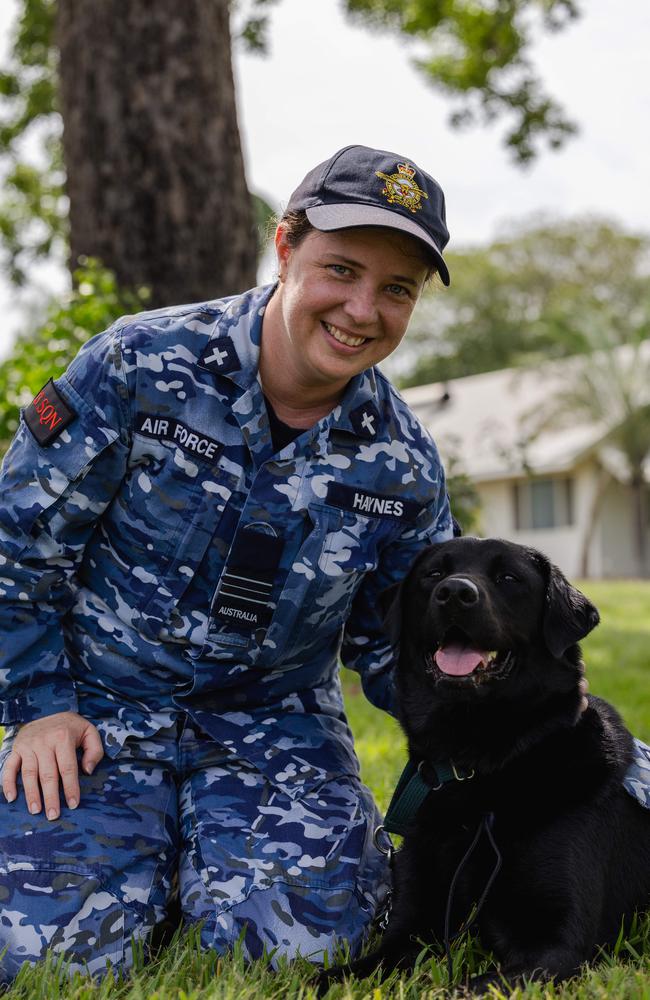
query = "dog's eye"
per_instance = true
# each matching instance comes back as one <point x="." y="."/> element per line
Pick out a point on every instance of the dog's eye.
<point x="433" y="574"/>
<point x="507" y="578"/>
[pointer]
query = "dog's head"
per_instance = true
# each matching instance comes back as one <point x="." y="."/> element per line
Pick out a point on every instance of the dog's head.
<point x="485" y="617"/>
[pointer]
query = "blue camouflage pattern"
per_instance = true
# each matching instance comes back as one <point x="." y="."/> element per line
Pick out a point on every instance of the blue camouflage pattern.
<point x="189" y="591"/>
<point x="159" y="561"/>
<point x="637" y="779"/>
<point x="254" y="864"/>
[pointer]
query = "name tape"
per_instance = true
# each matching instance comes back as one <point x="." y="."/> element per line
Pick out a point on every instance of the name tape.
<point x="373" y="504"/>
<point x="169" y="429"/>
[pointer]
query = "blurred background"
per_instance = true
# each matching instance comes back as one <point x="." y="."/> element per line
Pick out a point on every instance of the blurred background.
<point x="145" y="147"/>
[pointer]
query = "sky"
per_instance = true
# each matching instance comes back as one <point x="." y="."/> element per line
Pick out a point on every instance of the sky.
<point x="326" y="84"/>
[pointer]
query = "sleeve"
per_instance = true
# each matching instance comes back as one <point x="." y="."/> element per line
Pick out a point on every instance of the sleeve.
<point x="366" y="647"/>
<point x="60" y="473"/>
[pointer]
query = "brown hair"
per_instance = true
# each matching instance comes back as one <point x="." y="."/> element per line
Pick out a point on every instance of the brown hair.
<point x="297" y="226"/>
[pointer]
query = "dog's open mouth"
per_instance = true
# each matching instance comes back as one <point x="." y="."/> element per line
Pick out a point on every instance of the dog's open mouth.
<point x="458" y="658"/>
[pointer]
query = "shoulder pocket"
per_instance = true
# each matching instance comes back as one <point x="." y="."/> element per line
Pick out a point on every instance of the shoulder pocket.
<point x="36" y="479"/>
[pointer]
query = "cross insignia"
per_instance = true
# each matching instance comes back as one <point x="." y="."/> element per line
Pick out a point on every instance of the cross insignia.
<point x="365" y="420"/>
<point x="220" y="357"/>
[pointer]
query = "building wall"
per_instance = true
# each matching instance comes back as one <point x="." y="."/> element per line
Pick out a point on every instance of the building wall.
<point x="562" y="545"/>
<point x="616" y="533"/>
<point x="611" y="550"/>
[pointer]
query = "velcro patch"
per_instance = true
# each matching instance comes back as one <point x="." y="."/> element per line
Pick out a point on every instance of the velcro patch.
<point x="365" y="420"/>
<point x="48" y="414"/>
<point x="243" y="599"/>
<point x="362" y="501"/>
<point x="168" y="429"/>
<point x="220" y="356"/>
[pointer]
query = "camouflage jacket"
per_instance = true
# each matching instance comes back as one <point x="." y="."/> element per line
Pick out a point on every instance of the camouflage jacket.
<point x="156" y="555"/>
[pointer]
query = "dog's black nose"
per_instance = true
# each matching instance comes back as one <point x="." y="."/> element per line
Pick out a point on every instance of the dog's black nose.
<point x="456" y="588"/>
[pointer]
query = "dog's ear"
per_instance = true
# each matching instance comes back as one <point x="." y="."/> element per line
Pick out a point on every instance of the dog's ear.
<point x="568" y="616"/>
<point x="391" y="599"/>
<point x="390" y="607"/>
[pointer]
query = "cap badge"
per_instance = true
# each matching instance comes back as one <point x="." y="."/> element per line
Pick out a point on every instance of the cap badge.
<point x="401" y="189"/>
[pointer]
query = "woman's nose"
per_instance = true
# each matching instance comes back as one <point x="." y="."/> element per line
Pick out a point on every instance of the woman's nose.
<point x="361" y="306"/>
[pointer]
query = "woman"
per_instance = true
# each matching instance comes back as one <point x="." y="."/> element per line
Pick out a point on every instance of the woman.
<point x="196" y="520"/>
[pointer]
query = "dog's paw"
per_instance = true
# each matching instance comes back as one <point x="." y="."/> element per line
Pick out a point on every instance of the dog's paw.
<point x="478" y="986"/>
<point x="327" y="977"/>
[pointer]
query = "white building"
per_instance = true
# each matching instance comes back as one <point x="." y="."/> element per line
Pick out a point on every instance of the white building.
<point x="564" y="491"/>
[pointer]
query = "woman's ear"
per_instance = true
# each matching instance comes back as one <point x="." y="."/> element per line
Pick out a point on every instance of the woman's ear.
<point x="282" y="250"/>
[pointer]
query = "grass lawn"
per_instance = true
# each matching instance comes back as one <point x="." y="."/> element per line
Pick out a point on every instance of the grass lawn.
<point x="617" y="656"/>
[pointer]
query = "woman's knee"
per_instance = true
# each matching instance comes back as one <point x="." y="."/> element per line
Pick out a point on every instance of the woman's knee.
<point x="287" y="921"/>
<point x="69" y="913"/>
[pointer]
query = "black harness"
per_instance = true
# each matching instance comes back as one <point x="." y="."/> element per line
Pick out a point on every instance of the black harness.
<point x="410" y="793"/>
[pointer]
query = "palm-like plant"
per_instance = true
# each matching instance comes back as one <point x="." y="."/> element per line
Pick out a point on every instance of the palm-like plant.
<point x="610" y="388"/>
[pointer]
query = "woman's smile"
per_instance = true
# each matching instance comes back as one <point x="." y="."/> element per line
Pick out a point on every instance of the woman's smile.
<point x="342" y="305"/>
<point x="341" y="337"/>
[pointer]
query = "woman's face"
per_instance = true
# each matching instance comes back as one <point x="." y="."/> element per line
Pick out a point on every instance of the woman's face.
<point x="345" y="300"/>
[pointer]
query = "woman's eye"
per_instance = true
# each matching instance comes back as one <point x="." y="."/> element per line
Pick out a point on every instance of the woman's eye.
<point x="397" y="290"/>
<point x="339" y="269"/>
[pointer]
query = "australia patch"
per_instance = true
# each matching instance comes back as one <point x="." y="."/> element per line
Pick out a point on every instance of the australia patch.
<point x="244" y="596"/>
<point x="361" y="501"/>
<point x="48" y="414"/>
<point x="168" y="429"/>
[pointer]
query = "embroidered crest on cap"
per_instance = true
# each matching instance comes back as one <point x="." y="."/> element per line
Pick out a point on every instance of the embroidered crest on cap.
<point x="168" y="429"/>
<point x="48" y="414"/>
<point x="365" y="420"/>
<point x="401" y="189"/>
<point x="220" y="356"/>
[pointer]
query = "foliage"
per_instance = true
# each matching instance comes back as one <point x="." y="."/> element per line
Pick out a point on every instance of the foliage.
<point x="479" y="52"/>
<point x="92" y="306"/>
<point x="610" y="388"/>
<point x="463" y="495"/>
<point x="33" y="211"/>
<point x="251" y="23"/>
<point x="34" y="207"/>
<point x="546" y="290"/>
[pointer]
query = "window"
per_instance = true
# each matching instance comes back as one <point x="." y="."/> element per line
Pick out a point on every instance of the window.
<point x="543" y="503"/>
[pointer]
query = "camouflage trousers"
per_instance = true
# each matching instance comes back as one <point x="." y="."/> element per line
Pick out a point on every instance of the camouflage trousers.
<point x="285" y="872"/>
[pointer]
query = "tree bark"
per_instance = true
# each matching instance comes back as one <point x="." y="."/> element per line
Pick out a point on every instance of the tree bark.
<point x="640" y="521"/>
<point x="603" y="481"/>
<point x="155" y="173"/>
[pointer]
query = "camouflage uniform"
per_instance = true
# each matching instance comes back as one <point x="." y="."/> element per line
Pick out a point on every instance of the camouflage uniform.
<point x="168" y="576"/>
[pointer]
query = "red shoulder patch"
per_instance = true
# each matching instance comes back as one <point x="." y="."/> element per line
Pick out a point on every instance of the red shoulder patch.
<point x="48" y="414"/>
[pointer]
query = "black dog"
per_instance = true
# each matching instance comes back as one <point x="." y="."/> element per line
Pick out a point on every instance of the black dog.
<point x="534" y="828"/>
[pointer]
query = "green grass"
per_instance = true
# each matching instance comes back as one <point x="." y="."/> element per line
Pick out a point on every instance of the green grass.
<point x="617" y="655"/>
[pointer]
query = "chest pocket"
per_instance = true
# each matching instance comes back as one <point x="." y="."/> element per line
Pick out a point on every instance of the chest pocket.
<point x="157" y="530"/>
<point x="352" y="546"/>
<point x="339" y="549"/>
<point x="38" y="482"/>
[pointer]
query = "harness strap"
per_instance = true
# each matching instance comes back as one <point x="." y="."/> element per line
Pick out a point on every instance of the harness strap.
<point x="410" y="793"/>
<point x="412" y="790"/>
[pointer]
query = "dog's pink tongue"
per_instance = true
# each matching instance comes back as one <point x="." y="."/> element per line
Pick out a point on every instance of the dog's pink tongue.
<point x="458" y="660"/>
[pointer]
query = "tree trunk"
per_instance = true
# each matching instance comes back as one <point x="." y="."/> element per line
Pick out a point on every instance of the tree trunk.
<point x="603" y="481"/>
<point x="640" y="521"/>
<point x="155" y="173"/>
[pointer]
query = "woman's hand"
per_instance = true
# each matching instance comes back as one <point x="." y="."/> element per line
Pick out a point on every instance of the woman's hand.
<point x="44" y="751"/>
